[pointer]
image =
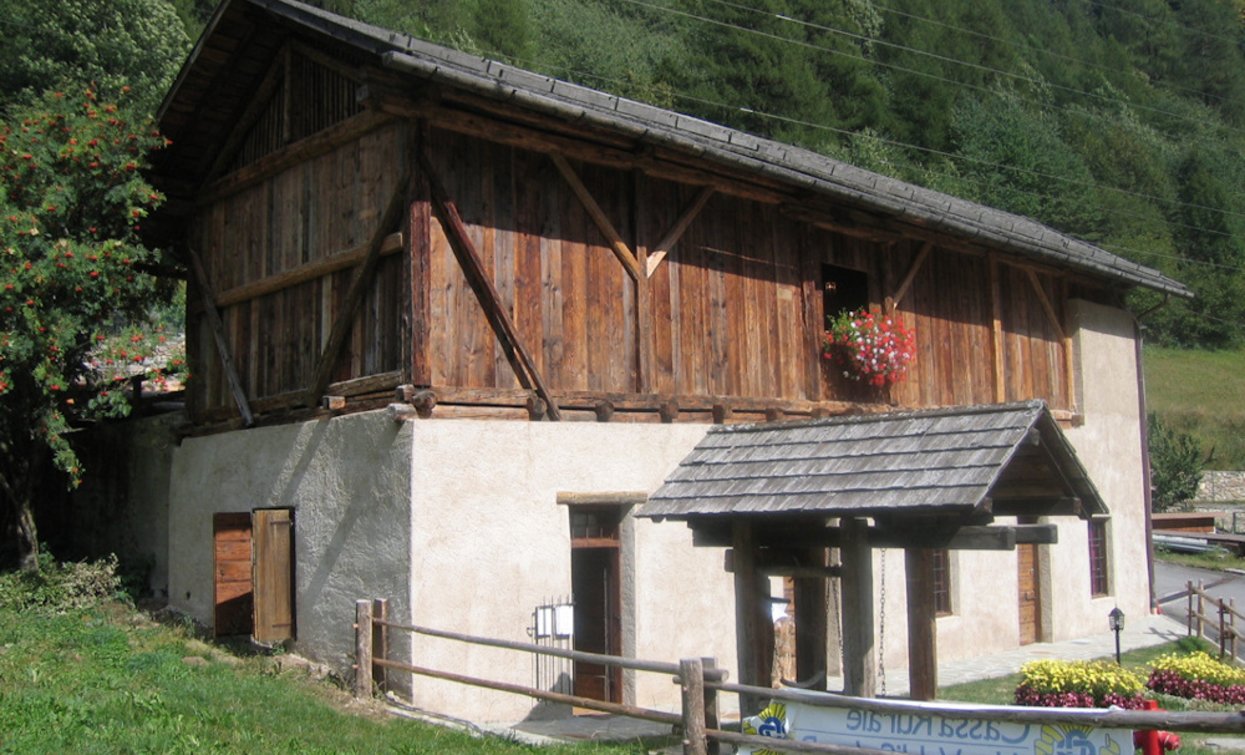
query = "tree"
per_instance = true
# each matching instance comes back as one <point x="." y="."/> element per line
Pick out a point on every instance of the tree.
<point x="73" y="275"/>
<point x="1175" y="466"/>
<point x="110" y="42"/>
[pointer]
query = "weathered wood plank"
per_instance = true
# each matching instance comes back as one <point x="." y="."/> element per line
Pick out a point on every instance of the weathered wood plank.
<point x="599" y="218"/>
<point x="667" y="242"/>
<point x="218" y="331"/>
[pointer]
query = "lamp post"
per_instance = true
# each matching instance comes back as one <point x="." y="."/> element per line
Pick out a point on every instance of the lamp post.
<point x="1116" y="620"/>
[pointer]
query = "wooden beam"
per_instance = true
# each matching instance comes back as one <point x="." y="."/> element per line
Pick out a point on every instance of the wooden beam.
<point x="218" y="333"/>
<point x="359" y="285"/>
<point x="996" y="331"/>
<point x="922" y="626"/>
<point x="391" y="244"/>
<point x="678" y="229"/>
<point x="621" y="250"/>
<point x="812" y="639"/>
<point x="892" y="302"/>
<point x="260" y="100"/>
<point x="859" y="652"/>
<point x="482" y="285"/>
<point x="1065" y="340"/>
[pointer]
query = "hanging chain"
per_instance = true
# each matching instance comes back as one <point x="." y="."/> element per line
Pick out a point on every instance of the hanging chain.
<point x="882" y="629"/>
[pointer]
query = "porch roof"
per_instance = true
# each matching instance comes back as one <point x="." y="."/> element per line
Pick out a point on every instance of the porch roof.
<point x="1005" y="459"/>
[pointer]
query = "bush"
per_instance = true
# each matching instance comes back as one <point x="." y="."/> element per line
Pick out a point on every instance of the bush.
<point x="1175" y="466"/>
<point x="1079" y="684"/>
<point x="1198" y="677"/>
<point x="57" y="588"/>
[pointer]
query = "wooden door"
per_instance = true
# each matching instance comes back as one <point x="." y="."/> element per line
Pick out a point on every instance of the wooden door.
<point x="233" y="591"/>
<point x="598" y="625"/>
<point x="1028" y="568"/>
<point x="273" y="574"/>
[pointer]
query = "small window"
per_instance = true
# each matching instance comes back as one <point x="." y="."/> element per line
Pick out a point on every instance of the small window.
<point x="1098" y="576"/>
<point x="595" y="523"/>
<point x="942" y="582"/>
<point x="843" y="289"/>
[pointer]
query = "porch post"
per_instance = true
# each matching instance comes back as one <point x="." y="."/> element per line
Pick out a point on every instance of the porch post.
<point x="753" y="628"/>
<point x="922" y="630"/>
<point x="859" y="653"/>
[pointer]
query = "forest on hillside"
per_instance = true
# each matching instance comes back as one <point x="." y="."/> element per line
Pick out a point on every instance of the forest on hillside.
<point x="1119" y="122"/>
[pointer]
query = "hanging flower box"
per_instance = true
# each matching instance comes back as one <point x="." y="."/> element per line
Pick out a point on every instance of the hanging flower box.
<point x="868" y="348"/>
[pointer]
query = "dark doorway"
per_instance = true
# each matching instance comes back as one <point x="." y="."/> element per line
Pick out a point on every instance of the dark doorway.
<point x="597" y="595"/>
<point x="253" y="574"/>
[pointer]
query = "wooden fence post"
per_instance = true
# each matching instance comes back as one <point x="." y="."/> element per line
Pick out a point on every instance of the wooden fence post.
<point x="380" y="642"/>
<point x="712" y="719"/>
<point x="1223" y="624"/>
<point x="692" y="682"/>
<point x="1189" y="615"/>
<point x="363" y="648"/>
<point x="1201" y="609"/>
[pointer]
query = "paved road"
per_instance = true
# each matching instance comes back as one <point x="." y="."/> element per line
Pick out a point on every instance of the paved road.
<point x="1170" y="581"/>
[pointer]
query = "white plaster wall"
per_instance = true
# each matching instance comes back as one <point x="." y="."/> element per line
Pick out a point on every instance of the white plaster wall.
<point x="489" y="543"/>
<point x="984" y="583"/>
<point x="348" y="481"/>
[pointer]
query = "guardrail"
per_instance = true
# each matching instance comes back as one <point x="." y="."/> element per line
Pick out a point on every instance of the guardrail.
<point x="1224" y="619"/>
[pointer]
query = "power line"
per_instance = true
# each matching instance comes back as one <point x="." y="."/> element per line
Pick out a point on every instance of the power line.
<point x="905" y="69"/>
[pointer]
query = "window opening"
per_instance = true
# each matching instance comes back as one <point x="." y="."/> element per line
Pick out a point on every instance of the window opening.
<point x="843" y="289"/>
<point x="942" y="582"/>
<point x="1098" y="558"/>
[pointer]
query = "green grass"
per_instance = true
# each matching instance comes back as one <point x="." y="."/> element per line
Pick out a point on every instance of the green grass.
<point x="1199" y="392"/>
<point x="1218" y="560"/>
<point x="108" y="680"/>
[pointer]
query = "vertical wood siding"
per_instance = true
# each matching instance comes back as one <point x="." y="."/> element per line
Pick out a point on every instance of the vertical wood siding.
<point x="735" y="309"/>
<point x="318" y="208"/>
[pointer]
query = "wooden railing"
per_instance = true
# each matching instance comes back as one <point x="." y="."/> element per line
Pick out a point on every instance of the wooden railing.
<point x="1224" y="619"/>
<point x="701" y="681"/>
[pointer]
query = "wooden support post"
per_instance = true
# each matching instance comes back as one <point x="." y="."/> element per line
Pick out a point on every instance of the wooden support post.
<point x="753" y="627"/>
<point x="218" y="333"/>
<point x="692" y="683"/>
<point x="859" y="654"/>
<point x="811" y="620"/>
<point x="380" y="642"/>
<point x="922" y="628"/>
<point x="996" y="332"/>
<point x="1223" y="625"/>
<point x="1201" y="609"/>
<point x="363" y="648"/>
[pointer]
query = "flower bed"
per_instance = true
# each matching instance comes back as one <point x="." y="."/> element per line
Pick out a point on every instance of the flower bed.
<point x="1198" y="677"/>
<point x="1079" y="684"/>
<point x="877" y="350"/>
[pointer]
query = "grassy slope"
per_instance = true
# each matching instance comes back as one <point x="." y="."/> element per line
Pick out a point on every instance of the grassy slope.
<point x="110" y="681"/>
<point x="1203" y="393"/>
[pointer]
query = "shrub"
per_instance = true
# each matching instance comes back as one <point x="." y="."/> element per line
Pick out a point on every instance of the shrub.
<point x="56" y="588"/>
<point x="1079" y="684"/>
<point x="1175" y="466"/>
<point x="1198" y="677"/>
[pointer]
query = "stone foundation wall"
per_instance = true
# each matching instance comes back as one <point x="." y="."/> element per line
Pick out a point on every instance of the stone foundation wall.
<point x="1221" y="487"/>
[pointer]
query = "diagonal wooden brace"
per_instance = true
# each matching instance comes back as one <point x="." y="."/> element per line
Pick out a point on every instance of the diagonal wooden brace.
<point x="486" y="293"/>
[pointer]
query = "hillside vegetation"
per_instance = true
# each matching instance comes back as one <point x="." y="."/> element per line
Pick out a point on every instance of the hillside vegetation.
<point x="1201" y="393"/>
<point x="1118" y="122"/>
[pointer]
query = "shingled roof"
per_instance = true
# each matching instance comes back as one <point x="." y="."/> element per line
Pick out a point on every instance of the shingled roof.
<point x="1004" y="458"/>
<point x="212" y="64"/>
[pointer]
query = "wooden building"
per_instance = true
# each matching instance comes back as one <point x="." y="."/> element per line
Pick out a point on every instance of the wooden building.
<point x="375" y="221"/>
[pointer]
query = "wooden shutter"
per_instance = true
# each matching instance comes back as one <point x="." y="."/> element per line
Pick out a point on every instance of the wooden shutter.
<point x="231" y="566"/>
<point x="273" y="535"/>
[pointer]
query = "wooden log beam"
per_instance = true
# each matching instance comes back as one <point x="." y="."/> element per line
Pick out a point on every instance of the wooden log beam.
<point x="678" y="229"/>
<point x="922" y="627"/>
<point x="359" y="285"/>
<point x="1065" y="340"/>
<point x="603" y="224"/>
<point x="892" y="302"/>
<point x="218" y="334"/>
<point x="391" y="244"/>
<point x="482" y="285"/>
<point x="812" y="629"/>
<point x="753" y="630"/>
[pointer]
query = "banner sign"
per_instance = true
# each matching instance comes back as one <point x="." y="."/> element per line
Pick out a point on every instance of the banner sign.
<point x="913" y="728"/>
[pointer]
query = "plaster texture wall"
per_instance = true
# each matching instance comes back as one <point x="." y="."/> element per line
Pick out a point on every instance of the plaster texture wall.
<point x="984" y="583"/>
<point x="490" y="542"/>
<point x="348" y="481"/>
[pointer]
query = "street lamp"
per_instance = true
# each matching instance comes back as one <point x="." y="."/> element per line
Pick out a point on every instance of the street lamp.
<point x="1116" y="620"/>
